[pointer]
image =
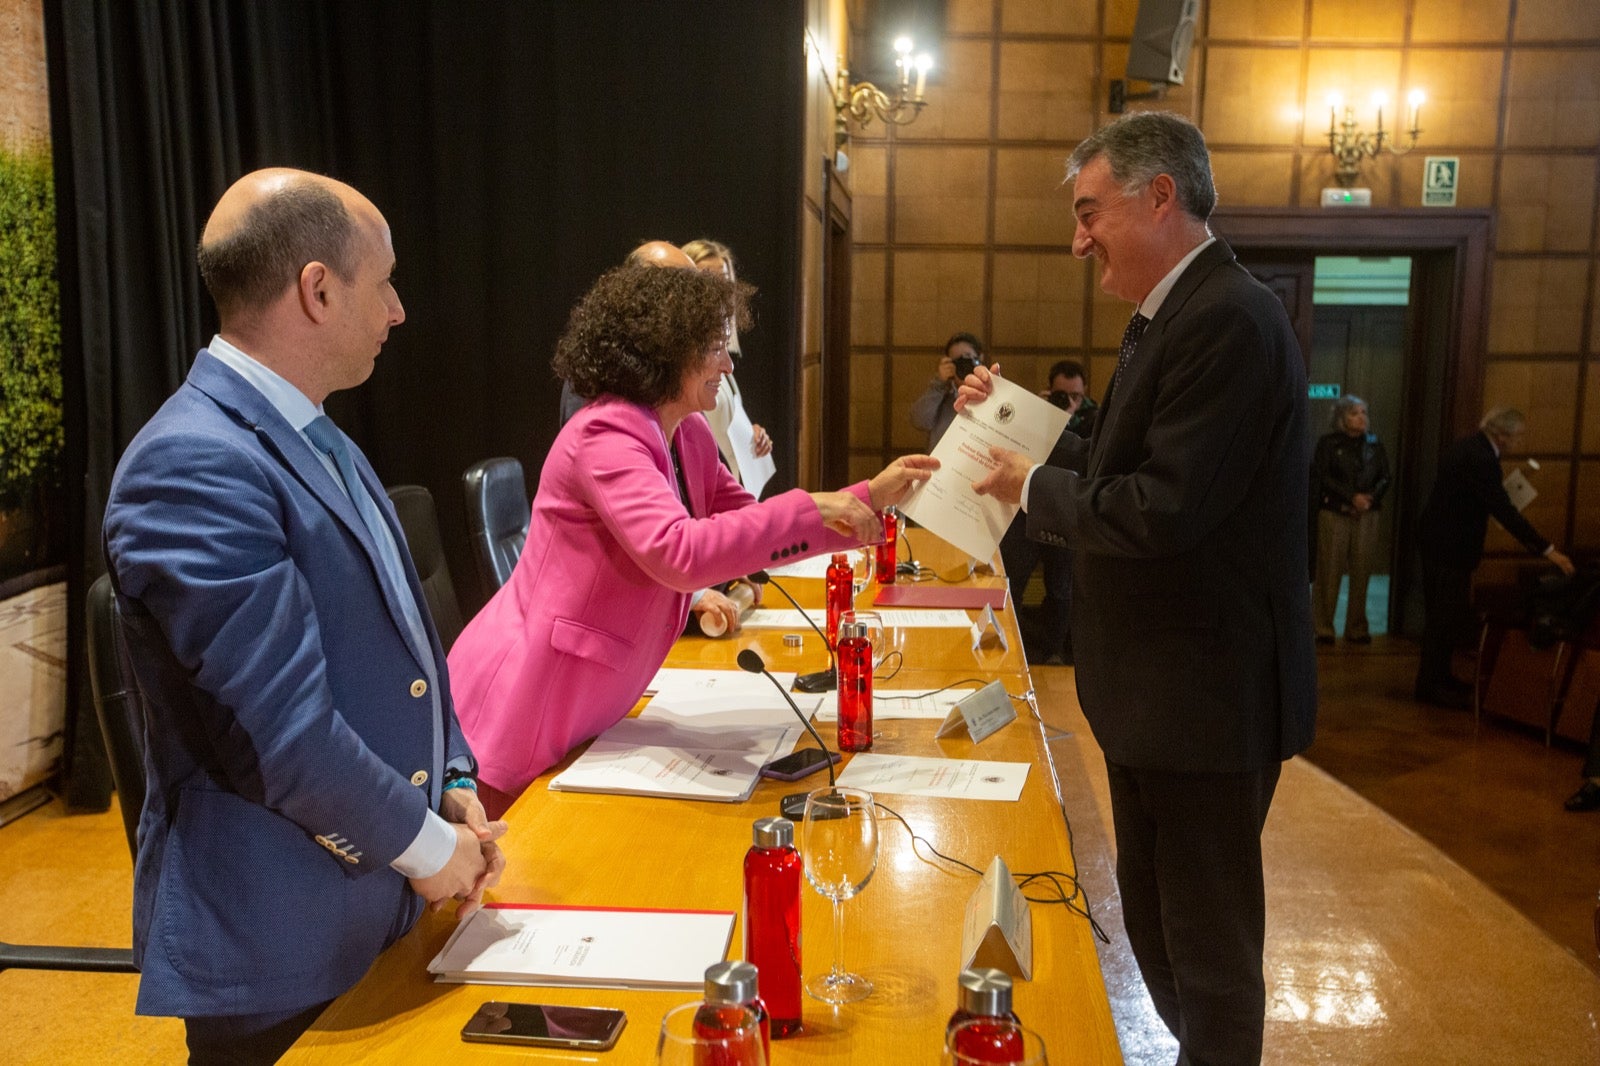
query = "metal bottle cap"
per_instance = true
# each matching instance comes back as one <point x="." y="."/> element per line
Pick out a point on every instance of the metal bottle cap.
<point x="735" y="982"/>
<point x="792" y="640"/>
<point x="985" y="992"/>
<point x="849" y="630"/>
<point x="774" y="833"/>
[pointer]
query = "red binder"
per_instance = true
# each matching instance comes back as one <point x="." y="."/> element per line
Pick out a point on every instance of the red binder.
<point x="946" y="596"/>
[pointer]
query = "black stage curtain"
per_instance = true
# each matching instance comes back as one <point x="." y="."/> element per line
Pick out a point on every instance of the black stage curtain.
<point x="516" y="148"/>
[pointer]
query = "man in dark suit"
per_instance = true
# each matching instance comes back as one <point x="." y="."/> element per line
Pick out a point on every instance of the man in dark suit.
<point x="1466" y="493"/>
<point x="309" y="788"/>
<point x="1191" y="615"/>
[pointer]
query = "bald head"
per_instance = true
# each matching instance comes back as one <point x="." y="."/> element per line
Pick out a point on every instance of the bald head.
<point x="661" y="254"/>
<point x="268" y="226"/>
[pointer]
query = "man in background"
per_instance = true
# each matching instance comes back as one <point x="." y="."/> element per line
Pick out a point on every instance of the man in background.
<point x="1467" y="491"/>
<point x="1191" y="614"/>
<point x="309" y="788"/>
<point x="935" y="409"/>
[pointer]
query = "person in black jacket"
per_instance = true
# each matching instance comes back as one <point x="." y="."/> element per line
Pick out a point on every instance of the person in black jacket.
<point x="1349" y="475"/>
<point x="1191" y="616"/>
<point x="1466" y="493"/>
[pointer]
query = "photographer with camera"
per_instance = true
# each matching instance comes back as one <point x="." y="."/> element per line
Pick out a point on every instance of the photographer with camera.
<point x="1069" y="391"/>
<point x="935" y="409"/>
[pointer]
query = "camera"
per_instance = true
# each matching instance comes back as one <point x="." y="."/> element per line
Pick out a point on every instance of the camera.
<point x="965" y="365"/>
<point x="1061" y="399"/>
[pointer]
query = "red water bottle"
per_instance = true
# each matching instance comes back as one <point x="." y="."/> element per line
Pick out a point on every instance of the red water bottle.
<point x="888" y="550"/>
<point x="855" y="688"/>
<point x="985" y="996"/>
<point x="840" y="594"/>
<point x="731" y="997"/>
<point x="772" y="869"/>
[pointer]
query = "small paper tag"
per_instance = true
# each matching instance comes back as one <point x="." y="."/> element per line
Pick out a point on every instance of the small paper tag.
<point x="983" y="713"/>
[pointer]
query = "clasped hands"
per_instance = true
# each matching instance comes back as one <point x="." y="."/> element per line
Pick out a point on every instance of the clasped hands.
<point x="477" y="861"/>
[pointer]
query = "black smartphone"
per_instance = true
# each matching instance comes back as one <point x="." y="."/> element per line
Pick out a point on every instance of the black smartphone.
<point x="798" y="764"/>
<point x="541" y="1025"/>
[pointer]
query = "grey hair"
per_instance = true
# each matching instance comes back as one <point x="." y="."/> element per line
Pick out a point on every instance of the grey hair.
<point x="1143" y="144"/>
<point x="1343" y="406"/>
<point x="1503" y="421"/>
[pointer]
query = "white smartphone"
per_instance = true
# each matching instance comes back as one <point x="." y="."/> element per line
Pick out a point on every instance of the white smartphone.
<point x="545" y="1025"/>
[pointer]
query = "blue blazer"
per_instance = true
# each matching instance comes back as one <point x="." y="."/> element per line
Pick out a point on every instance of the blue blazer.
<point x="294" y="746"/>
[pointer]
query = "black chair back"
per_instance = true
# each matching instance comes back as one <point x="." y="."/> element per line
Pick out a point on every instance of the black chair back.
<point x="118" y="705"/>
<point x="497" y="516"/>
<point x="420" y="523"/>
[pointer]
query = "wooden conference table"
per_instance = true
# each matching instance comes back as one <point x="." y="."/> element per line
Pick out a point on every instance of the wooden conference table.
<point x="903" y="931"/>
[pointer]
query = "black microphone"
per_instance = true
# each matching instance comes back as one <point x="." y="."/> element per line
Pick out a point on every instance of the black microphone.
<point x="822" y="680"/>
<point x="792" y="806"/>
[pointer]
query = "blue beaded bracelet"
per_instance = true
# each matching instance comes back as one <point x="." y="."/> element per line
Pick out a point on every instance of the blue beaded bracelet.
<point x="460" y="782"/>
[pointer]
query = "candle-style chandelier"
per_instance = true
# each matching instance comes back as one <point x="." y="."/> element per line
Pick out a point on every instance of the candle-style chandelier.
<point x="864" y="101"/>
<point x="1351" y="147"/>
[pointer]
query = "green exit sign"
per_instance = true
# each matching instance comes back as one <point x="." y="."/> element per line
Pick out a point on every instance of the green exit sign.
<point x="1322" y="392"/>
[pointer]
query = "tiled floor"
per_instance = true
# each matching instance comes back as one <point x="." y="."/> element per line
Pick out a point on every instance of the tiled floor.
<point x="1381" y="947"/>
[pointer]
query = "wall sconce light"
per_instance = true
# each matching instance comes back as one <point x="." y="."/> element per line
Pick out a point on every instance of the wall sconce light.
<point x="864" y="101"/>
<point x="1350" y="147"/>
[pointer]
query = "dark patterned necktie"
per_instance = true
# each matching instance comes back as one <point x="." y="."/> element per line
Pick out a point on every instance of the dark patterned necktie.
<point x="1130" y="341"/>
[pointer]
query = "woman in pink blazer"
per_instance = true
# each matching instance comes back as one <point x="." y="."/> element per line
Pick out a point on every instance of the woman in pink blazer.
<point x="614" y="551"/>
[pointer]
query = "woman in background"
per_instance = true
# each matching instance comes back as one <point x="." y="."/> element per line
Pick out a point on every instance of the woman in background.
<point x="715" y="257"/>
<point x="1349" y="475"/>
<point x="634" y="513"/>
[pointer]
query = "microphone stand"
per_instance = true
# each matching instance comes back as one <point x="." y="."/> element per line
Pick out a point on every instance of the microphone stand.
<point x="792" y="806"/>
<point x="822" y="680"/>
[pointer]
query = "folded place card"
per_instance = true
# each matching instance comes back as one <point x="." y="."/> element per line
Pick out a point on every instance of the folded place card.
<point x="982" y="714"/>
<point x="999" y="927"/>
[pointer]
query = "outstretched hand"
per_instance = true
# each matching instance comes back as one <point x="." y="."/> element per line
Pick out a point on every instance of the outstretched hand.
<point x="1005" y="479"/>
<point x="898" y="478"/>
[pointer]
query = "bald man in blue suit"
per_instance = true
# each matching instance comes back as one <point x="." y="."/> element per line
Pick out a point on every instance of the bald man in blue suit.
<point x="309" y="789"/>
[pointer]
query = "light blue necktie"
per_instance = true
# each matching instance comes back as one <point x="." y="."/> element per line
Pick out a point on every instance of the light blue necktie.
<point x="326" y="436"/>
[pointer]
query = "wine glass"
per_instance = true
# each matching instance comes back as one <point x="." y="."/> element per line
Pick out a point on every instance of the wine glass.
<point x="990" y="1040"/>
<point x="687" y="1039"/>
<point x="863" y="563"/>
<point x="839" y="840"/>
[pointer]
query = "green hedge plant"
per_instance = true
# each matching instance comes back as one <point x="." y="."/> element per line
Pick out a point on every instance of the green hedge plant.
<point x="30" y="327"/>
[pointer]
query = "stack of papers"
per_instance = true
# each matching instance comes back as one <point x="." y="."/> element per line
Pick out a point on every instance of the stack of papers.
<point x="908" y="618"/>
<point x="577" y="947"/>
<point x="705" y="735"/>
<point x="903" y="703"/>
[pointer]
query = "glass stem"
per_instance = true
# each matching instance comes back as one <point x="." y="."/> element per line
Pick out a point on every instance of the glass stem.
<point x="838" y="938"/>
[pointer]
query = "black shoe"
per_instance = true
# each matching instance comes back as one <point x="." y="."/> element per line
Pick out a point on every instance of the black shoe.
<point x="1362" y="639"/>
<point x="1441" y="696"/>
<point x="1586" y="798"/>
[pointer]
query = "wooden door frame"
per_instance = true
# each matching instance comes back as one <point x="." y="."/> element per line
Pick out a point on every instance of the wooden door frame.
<point x="1447" y="334"/>
<point x="834" y="432"/>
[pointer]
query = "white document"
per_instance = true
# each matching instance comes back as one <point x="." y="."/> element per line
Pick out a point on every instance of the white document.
<point x="754" y="471"/>
<point x="664" y="757"/>
<point x="724" y="699"/>
<point x="773" y="618"/>
<point x="1011" y="417"/>
<point x="816" y="566"/>
<point x="909" y="775"/>
<point x="1519" y="489"/>
<point x="893" y="618"/>
<point x="901" y="703"/>
<point x="607" y="947"/>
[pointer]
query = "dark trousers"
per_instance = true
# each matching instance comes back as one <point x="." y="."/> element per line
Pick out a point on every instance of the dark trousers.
<point x="246" y="1039"/>
<point x="1021" y="556"/>
<point x="1447" y="620"/>
<point x="1591" y="762"/>
<point x="1193" y="901"/>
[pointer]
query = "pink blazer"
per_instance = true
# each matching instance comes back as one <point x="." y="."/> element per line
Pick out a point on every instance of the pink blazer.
<point x="603" y="586"/>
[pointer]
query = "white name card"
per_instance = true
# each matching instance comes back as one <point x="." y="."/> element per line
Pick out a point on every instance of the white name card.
<point x="998" y="931"/>
<point x="982" y="714"/>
